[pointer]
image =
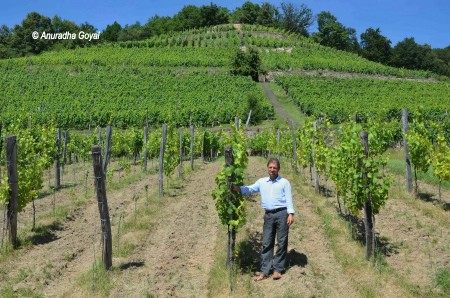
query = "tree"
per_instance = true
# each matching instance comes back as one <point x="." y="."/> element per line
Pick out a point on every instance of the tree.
<point x="60" y="26"/>
<point x="111" y="32"/>
<point x="334" y="34"/>
<point x="268" y="15"/>
<point x="296" y="19"/>
<point x="88" y="28"/>
<point x="443" y="57"/>
<point x="213" y="15"/>
<point x="246" y="63"/>
<point x="6" y="36"/>
<point x="133" y="32"/>
<point x="375" y="46"/>
<point x="409" y="54"/>
<point x="158" y="25"/>
<point x="23" y="40"/>
<point x="189" y="17"/>
<point x="247" y="14"/>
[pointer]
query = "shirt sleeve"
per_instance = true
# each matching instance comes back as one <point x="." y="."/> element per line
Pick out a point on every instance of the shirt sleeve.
<point x="250" y="189"/>
<point x="288" y="194"/>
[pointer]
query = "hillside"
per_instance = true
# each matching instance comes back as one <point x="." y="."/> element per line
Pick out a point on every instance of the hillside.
<point x="93" y="86"/>
<point x="174" y="245"/>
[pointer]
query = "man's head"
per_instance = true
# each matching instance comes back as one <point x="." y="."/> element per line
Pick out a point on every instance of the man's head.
<point x="273" y="166"/>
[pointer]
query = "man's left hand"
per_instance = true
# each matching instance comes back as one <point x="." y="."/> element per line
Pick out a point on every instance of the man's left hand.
<point x="290" y="219"/>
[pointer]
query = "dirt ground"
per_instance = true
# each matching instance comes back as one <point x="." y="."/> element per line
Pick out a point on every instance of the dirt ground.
<point x="175" y="256"/>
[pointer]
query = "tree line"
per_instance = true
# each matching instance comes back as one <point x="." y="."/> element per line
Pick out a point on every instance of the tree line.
<point x="18" y="42"/>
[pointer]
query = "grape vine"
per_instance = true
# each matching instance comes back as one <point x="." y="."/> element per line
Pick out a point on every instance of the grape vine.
<point x="236" y="206"/>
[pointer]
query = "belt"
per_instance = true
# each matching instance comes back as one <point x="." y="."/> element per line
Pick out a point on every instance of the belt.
<point x="276" y="210"/>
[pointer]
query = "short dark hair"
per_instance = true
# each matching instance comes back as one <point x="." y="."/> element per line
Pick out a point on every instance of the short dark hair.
<point x="274" y="160"/>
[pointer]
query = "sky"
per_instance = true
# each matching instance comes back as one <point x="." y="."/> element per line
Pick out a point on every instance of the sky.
<point x="427" y="21"/>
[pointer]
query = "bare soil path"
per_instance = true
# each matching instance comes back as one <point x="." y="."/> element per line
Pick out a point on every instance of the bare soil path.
<point x="57" y="259"/>
<point x="177" y="255"/>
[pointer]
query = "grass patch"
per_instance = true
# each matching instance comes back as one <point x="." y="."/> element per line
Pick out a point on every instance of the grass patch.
<point x="23" y="274"/>
<point x="288" y="104"/>
<point x="97" y="280"/>
<point x="124" y="250"/>
<point x="47" y="270"/>
<point x="9" y="291"/>
<point x="432" y="211"/>
<point x="443" y="281"/>
<point x="141" y="220"/>
<point x="60" y="212"/>
<point x="116" y="184"/>
<point x="396" y="165"/>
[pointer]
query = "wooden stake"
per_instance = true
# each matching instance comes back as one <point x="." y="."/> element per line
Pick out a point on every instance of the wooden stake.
<point x="294" y="149"/>
<point x="107" y="148"/>
<point x="180" y="152"/>
<point x="100" y="187"/>
<point x="11" y="164"/>
<point x="57" y="164"/>
<point x="192" y="146"/>
<point x="145" y="147"/>
<point x="406" y="149"/>
<point x="368" y="210"/>
<point x="161" y="159"/>
<point x="314" y="168"/>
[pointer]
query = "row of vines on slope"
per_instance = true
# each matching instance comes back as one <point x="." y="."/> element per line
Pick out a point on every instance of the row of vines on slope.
<point x="336" y="152"/>
<point x="37" y="152"/>
<point x="123" y="97"/>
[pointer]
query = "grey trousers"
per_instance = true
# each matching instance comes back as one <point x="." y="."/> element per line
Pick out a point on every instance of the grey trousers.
<point x="275" y="224"/>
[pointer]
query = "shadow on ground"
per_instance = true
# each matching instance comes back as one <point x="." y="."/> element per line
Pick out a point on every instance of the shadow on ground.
<point x="131" y="265"/>
<point x="45" y="234"/>
<point x="249" y="258"/>
<point x="429" y="197"/>
<point x="249" y="255"/>
<point x="295" y="258"/>
<point x="382" y="244"/>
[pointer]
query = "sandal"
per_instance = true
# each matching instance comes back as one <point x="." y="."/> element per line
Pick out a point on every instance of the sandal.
<point x="260" y="277"/>
<point x="276" y="275"/>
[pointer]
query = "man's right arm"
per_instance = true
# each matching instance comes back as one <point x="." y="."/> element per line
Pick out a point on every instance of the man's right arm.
<point x="247" y="190"/>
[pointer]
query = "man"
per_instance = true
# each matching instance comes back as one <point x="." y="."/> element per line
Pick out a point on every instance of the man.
<point x="276" y="199"/>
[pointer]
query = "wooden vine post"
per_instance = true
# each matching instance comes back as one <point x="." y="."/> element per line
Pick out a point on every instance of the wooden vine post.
<point x="145" y="143"/>
<point x="294" y="146"/>
<point x="100" y="187"/>
<point x="248" y="118"/>
<point x="11" y="164"/>
<point x="64" y="154"/>
<point x="368" y="210"/>
<point x="1" y="139"/>
<point x="57" y="163"/>
<point x="192" y="146"/>
<point x="229" y="161"/>
<point x="203" y="146"/>
<point x="161" y="160"/>
<point x="107" y="148"/>
<point x="314" y="167"/>
<point x="278" y="143"/>
<point x="406" y="148"/>
<point x="180" y="152"/>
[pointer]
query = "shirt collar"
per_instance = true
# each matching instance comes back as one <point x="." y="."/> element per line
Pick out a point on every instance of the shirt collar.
<point x="276" y="179"/>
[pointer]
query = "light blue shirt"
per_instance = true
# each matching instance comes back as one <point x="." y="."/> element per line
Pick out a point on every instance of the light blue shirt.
<point x="274" y="194"/>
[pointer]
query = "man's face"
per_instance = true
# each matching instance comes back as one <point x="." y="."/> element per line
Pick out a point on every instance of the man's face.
<point x="272" y="168"/>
